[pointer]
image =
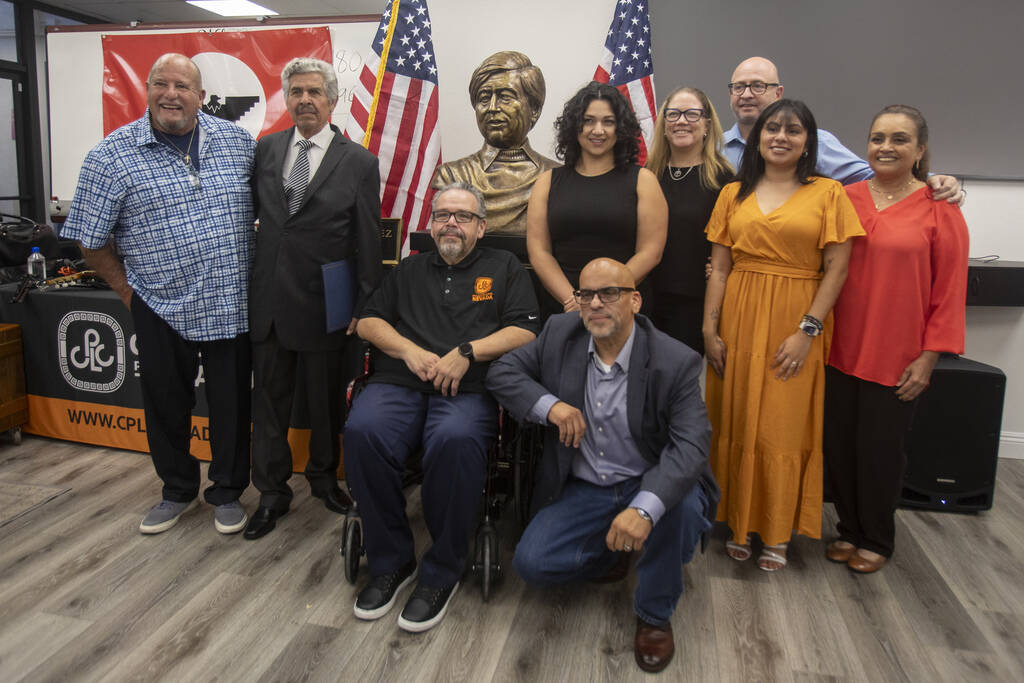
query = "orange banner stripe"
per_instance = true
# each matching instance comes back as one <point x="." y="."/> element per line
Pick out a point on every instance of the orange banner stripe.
<point x="125" y="428"/>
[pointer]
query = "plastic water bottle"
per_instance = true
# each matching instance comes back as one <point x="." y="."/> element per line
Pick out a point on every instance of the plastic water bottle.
<point x="37" y="265"/>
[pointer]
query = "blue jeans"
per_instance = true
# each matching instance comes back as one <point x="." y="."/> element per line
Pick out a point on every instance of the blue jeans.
<point x="566" y="542"/>
<point x="386" y="425"/>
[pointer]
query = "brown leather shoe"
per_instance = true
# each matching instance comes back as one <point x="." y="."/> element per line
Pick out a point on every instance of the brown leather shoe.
<point x="840" y="551"/>
<point x="864" y="565"/>
<point x="653" y="646"/>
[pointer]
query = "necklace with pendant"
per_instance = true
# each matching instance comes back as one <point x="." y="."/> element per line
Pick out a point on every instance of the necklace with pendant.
<point x="889" y="195"/>
<point x="193" y="176"/>
<point x="677" y="173"/>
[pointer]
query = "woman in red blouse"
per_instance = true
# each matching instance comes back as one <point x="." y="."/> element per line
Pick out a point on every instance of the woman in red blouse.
<point x="902" y="305"/>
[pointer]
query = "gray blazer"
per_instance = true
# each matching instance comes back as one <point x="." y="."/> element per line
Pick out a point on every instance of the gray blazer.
<point x="665" y="411"/>
<point x="339" y="219"/>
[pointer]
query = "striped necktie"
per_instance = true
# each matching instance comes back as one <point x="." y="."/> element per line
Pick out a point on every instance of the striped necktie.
<point x="298" y="179"/>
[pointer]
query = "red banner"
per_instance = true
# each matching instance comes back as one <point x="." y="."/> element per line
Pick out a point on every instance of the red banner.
<point x="241" y="72"/>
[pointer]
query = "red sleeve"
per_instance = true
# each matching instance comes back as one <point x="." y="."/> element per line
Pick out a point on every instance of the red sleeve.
<point x="944" y="321"/>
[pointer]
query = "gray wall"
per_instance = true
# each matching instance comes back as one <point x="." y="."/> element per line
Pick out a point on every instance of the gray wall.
<point x="959" y="62"/>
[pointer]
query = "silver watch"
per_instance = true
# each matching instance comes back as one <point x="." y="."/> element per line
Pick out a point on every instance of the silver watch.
<point x="809" y="328"/>
<point x="643" y="513"/>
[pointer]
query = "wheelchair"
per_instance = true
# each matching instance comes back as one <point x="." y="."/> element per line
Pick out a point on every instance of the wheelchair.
<point x="511" y="466"/>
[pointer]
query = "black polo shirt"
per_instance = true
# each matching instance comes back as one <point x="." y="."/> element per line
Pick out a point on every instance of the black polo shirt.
<point x="438" y="307"/>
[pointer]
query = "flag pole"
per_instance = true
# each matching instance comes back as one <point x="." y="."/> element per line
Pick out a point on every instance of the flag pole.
<point x="380" y="72"/>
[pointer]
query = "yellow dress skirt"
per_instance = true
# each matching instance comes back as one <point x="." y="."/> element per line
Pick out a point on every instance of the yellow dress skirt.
<point x="766" y="433"/>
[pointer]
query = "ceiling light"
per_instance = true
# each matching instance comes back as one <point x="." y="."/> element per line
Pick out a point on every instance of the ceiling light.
<point x="232" y="8"/>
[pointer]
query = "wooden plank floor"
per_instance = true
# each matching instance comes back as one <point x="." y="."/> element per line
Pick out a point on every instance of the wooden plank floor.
<point x="85" y="597"/>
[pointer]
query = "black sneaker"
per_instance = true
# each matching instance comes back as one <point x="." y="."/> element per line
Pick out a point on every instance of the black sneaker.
<point x="379" y="596"/>
<point x="426" y="607"/>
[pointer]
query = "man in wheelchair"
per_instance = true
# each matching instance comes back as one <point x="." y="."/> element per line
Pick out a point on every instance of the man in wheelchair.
<point x="626" y="471"/>
<point x="437" y="321"/>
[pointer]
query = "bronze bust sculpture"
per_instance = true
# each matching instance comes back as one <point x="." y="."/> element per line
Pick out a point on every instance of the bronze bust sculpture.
<point x="507" y="92"/>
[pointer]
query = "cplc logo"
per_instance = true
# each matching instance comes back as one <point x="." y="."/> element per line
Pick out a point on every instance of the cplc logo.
<point x="90" y="349"/>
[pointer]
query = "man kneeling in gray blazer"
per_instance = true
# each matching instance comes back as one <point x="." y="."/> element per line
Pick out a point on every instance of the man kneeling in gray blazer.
<point x="627" y="469"/>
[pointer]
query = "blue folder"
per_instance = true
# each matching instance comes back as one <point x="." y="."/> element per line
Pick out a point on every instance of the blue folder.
<point x="339" y="294"/>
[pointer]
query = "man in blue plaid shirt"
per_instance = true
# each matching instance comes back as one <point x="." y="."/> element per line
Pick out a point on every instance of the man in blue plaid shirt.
<point x="171" y="192"/>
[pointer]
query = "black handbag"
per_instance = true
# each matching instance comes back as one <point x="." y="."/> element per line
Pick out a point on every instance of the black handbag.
<point x="17" y="237"/>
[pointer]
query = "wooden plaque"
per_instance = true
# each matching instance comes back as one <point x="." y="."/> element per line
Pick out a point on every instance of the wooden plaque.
<point x="390" y="241"/>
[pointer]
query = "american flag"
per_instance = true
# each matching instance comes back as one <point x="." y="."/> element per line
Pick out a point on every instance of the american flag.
<point x="626" y="63"/>
<point x="394" y="112"/>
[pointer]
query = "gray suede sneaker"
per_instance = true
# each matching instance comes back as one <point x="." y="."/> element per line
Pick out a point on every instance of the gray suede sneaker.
<point x="163" y="516"/>
<point x="230" y="518"/>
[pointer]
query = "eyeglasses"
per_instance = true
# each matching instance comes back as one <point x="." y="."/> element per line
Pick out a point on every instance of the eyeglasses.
<point x="607" y="295"/>
<point x="756" y="88"/>
<point x="460" y="216"/>
<point x="691" y="115"/>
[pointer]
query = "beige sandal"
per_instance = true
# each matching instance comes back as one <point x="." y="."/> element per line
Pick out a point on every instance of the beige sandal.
<point x="738" y="552"/>
<point x="772" y="553"/>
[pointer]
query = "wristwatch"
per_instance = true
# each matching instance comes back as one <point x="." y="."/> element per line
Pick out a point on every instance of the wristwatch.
<point x="466" y="351"/>
<point x="809" y="328"/>
<point x="643" y="513"/>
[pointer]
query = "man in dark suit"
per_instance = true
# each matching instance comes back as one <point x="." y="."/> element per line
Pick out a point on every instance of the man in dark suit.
<point x="317" y="200"/>
<point x="627" y="468"/>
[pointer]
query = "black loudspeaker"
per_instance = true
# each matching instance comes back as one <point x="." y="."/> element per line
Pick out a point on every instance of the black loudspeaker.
<point x="953" y="442"/>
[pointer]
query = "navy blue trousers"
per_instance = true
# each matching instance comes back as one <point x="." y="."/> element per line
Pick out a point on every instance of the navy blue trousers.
<point x="386" y="424"/>
<point x="566" y="542"/>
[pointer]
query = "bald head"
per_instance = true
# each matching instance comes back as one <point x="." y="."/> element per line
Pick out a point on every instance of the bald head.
<point x="606" y="270"/>
<point x="748" y="105"/>
<point x="173" y="59"/>
<point x="760" y="65"/>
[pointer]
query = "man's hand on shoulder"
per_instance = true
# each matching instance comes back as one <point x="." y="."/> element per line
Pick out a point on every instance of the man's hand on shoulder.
<point x="420" y="362"/>
<point x="946" y="187"/>
<point x="570" y="423"/>
<point x="628" y="531"/>
<point x="448" y="372"/>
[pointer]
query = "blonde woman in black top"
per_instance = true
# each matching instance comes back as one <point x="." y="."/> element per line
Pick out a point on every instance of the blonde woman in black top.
<point x="687" y="158"/>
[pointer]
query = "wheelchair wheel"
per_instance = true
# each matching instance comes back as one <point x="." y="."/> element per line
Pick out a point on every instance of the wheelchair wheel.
<point x="518" y="492"/>
<point x="490" y="565"/>
<point x="352" y="549"/>
<point x="486" y="578"/>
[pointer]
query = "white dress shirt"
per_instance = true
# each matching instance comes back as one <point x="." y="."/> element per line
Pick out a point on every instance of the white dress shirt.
<point x="320" y="140"/>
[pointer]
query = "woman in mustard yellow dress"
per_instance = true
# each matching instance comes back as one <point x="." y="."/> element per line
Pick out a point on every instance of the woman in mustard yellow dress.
<point x="780" y="249"/>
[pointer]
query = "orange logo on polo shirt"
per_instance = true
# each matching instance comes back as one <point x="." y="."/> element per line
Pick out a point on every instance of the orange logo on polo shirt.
<point x="482" y="289"/>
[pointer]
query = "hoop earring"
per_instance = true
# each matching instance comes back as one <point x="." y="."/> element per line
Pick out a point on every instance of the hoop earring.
<point x="804" y="155"/>
<point x="917" y="166"/>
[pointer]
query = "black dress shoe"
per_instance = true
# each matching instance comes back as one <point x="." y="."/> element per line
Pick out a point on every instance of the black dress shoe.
<point x="335" y="499"/>
<point x="262" y="523"/>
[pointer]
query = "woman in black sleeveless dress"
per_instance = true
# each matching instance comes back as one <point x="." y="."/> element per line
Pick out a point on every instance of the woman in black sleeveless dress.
<point x="686" y="155"/>
<point x="600" y="203"/>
